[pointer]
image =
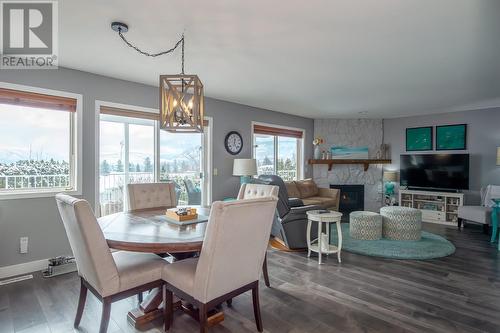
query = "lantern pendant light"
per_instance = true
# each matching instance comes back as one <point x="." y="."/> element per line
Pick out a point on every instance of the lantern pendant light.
<point x="181" y="96"/>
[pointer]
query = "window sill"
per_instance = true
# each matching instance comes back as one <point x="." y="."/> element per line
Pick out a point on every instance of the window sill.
<point x="13" y="195"/>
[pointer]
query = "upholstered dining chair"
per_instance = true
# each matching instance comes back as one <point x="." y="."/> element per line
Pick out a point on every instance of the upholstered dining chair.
<point x="252" y="191"/>
<point x="230" y="259"/>
<point x="151" y="195"/>
<point x="109" y="276"/>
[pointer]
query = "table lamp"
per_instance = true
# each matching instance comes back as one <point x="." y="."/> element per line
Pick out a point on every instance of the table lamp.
<point x="245" y="168"/>
<point x="390" y="177"/>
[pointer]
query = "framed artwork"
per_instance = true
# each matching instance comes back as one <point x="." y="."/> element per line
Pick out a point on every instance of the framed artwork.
<point x="419" y="138"/>
<point x="451" y="137"/>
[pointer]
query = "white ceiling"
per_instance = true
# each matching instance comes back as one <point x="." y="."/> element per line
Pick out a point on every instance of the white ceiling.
<point x="315" y="58"/>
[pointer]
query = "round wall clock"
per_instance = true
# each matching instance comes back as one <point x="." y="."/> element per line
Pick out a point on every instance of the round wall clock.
<point x="233" y="143"/>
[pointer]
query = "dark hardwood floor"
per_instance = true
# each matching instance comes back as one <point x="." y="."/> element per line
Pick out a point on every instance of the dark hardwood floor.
<point x="459" y="293"/>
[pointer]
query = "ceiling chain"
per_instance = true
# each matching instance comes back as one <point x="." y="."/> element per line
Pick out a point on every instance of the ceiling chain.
<point x="179" y="42"/>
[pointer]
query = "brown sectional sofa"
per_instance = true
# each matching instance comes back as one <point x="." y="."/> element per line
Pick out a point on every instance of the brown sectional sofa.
<point x="311" y="194"/>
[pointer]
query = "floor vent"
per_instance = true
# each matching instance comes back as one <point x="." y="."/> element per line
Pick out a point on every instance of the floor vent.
<point x="16" y="279"/>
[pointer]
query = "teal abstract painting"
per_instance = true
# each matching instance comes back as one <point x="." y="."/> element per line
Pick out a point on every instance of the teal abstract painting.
<point x="451" y="137"/>
<point x="419" y="138"/>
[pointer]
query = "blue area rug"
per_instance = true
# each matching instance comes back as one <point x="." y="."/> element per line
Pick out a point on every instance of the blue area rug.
<point x="430" y="246"/>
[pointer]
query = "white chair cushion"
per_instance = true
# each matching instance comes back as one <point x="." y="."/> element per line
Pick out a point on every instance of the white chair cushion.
<point x="180" y="274"/>
<point x="478" y="214"/>
<point x="151" y="195"/>
<point x="136" y="269"/>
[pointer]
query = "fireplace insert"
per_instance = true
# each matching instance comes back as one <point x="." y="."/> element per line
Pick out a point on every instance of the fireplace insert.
<point x="352" y="198"/>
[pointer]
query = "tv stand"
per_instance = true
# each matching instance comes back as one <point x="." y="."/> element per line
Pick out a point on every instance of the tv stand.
<point x="437" y="207"/>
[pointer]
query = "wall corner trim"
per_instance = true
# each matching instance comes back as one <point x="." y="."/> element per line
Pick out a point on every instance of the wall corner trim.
<point x="24" y="268"/>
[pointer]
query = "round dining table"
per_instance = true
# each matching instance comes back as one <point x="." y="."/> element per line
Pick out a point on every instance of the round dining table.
<point x="150" y="231"/>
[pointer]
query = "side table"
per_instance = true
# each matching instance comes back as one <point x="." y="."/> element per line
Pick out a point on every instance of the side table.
<point x="326" y="217"/>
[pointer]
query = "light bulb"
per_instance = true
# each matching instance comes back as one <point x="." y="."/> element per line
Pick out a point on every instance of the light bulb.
<point x="175" y="103"/>
<point x="190" y="104"/>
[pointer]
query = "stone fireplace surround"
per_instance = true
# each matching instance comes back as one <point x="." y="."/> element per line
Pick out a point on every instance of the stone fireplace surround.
<point x="352" y="133"/>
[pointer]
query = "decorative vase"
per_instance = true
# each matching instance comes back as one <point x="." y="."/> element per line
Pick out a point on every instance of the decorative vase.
<point x="317" y="152"/>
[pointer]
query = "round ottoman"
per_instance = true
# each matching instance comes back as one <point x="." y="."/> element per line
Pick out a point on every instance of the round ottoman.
<point x="401" y="223"/>
<point x="365" y="225"/>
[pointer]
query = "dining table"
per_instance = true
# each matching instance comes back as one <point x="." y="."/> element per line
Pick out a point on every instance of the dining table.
<point x="151" y="231"/>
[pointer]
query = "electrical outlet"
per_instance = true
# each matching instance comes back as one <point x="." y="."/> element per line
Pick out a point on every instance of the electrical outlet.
<point x="216" y="172"/>
<point x="23" y="245"/>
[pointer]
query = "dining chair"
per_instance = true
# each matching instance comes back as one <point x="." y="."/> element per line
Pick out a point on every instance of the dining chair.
<point x="252" y="191"/>
<point x="151" y="195"/>
<point x="109" y="276"/>
<point x="229" y="263"/>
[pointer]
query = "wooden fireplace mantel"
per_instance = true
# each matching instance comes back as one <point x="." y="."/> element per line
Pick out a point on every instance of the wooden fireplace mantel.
<point x="365" y="162"/>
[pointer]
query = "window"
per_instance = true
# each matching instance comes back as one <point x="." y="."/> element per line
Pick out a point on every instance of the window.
<point x="184" y="160"/>
<point x="278" y="151"/>
<point x="127" y="155"/>
<point x="38" y="143"/>
<point x="132" y="149"/>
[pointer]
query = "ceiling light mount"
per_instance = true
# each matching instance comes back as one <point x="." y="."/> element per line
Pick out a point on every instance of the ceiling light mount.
<point x="119" y="27"/>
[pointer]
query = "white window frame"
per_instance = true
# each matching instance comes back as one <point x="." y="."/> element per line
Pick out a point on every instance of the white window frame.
<point x="75" y="148"/>
<point x="300" y="146"/>
<point x="208" y="136"/>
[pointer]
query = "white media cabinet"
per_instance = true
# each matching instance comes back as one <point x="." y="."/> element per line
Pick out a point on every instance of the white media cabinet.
<point x="436" y="207"/>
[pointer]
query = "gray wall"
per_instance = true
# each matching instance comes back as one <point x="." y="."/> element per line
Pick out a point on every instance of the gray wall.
<point x="38" y="218"/>
<point x="483" y="137"/>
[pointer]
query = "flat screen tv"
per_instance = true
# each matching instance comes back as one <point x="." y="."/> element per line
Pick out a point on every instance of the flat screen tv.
<point x="435" y="171"/>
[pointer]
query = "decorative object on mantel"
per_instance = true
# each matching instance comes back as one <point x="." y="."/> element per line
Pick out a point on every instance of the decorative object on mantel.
<point x="349" y="153"/>
<point x="366" y="162"/>
<point x="317" y="151"/>
<point x="451" y="137"/>
<point x="181" y="96"/>
<point x="498" y="156"/>
<point x="419" y="138"/>
<point x="383" y="152"/>
<point x="245" y="168"/>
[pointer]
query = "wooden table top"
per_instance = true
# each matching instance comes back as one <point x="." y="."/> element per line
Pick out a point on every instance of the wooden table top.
<point x="147" y="231"/>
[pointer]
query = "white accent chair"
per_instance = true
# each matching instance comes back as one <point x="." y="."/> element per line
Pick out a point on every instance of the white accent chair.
<point x="151" y="195"/>
<point x="230" y="260"/>
<point x="109" y="276"/>
<point x="480" y="214"/>
<point x="253" y="191"/>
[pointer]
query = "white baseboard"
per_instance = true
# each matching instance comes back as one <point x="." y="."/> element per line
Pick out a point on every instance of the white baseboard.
<point x="27" y="267"/>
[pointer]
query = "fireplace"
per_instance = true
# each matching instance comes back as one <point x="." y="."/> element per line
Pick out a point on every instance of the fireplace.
<point x="352" y="198"/>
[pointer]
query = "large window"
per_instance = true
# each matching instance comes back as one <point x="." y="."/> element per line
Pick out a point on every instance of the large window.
<point x="278" y="151"/>
<point x="133" y="149"/>
<point x="38" y="143"/>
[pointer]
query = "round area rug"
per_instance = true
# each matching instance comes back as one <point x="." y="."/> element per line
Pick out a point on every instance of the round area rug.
<point x="430" y="246"/>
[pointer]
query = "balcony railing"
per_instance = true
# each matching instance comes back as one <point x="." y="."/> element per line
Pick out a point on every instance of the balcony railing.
<point x="286" y="175"/>
<point x="26" y="182"/>
<point x="111" y="187"/>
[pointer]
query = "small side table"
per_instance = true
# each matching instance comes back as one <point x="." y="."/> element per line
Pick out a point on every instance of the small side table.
<point x="315" y="245"/>
<point x="494" y="220"/>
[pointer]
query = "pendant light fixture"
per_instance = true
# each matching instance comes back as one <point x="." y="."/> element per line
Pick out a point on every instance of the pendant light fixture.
<point x="181" y="96"/>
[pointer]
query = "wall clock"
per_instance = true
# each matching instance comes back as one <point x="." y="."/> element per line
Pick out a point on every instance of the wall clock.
<point x="233" y="143"/>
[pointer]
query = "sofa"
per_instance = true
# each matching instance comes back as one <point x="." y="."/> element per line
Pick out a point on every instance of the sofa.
<point x="310" y="194"/>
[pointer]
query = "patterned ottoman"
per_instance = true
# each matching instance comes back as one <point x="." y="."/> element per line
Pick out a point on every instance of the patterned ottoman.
<point x="401" y="223"/>
<point x="365" y="225"/>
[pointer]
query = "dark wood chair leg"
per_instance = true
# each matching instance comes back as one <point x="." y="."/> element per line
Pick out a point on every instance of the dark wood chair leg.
<point x="106" y="312"/>
<point x="81" y="303"/>
<point x="256" y="307"/>
<point x="139" y="298"/>
<point x="264" y="271"/>
<point x="168" y="308"/>
<point x="229" y="302"/>
<point x="202" y="315"/>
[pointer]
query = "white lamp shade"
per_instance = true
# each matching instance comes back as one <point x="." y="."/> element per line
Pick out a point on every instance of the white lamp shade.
<point x="390" y="176"/>
<point x="498" y="156"/>
<point x="244" y="167"/>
